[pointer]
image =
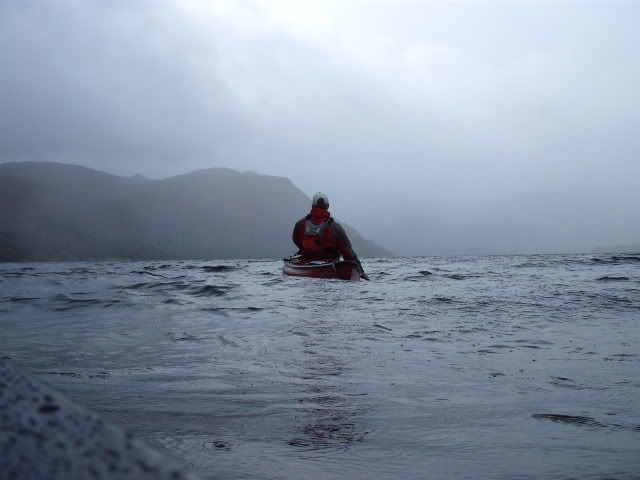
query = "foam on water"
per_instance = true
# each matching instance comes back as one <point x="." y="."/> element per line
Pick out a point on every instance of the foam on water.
<point x="477" y="367"/>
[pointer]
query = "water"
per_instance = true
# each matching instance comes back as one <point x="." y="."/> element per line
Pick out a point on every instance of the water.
<point x="465" y="367"/>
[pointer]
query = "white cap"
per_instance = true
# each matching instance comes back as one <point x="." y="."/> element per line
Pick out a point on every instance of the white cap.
<point x="320" y="200"/>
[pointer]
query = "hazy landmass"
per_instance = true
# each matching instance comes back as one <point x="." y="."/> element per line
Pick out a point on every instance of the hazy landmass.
<point x="54" y="211"/>
<point x="545" y="221"/>
<point x="618" y="249"/>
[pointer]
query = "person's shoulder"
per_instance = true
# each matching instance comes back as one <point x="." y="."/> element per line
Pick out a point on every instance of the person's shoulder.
<point x="301" y="221"/>
<point x="336" y="225"/>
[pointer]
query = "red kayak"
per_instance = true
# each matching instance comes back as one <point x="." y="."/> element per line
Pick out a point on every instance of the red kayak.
<point x="304" y="267"/>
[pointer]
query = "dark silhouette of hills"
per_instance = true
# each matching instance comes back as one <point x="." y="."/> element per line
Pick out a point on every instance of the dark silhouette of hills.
<point x="53" y="211"/>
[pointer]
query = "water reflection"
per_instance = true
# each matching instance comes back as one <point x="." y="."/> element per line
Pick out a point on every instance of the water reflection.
<point x="330" y="415"/>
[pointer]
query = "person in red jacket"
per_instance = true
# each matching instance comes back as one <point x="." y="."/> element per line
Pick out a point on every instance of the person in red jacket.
<point x="318" y="236"/>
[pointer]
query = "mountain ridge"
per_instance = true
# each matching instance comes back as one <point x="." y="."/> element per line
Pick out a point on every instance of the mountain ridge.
<point x="61" y="211"/>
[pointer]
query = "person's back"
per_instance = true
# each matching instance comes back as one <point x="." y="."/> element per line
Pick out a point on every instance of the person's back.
<point x="319" y="237"/>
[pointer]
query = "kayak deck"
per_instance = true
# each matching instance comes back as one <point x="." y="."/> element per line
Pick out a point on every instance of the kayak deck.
<point x="341" y="270"/>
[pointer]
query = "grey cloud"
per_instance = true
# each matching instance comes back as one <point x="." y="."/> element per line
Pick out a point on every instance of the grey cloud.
<point x="469" y="113"/>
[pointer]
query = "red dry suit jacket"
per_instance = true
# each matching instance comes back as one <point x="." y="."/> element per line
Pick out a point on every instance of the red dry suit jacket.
<point x="320" y="237"/>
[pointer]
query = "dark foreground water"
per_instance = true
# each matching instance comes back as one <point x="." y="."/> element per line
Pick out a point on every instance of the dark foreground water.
<point x="469" y="367"/>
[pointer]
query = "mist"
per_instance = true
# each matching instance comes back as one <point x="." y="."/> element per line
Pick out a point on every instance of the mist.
<point x="435" y="127"/>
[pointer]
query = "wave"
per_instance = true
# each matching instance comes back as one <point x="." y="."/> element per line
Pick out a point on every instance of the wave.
<point x="176" y="285"/>
<point x="626" y="258"/>
<point x="582" y="421"/>
<point x="186" y="337"/>
<point x="218" y="268"/>
<point x="442" y="298"/>
<point x="222" y="310"/>
<point x="602" y="299"/>
<point x="22" y="299"/>
<point x="612" y="278"/>
<point x="556" y="260"/>
<point x="418" y="278"/>
<point x="428" y="275"/>
<point x="68" y="303"/>
<point x="569" y="419"/>
<point x="569" y="383"/>
<point x="621" y="357"/>
<point x="423" y="275"/>
<point x="382" y="327"/>
<point x="144" y="272"/>
<point x="143" y="285"/>
<point x="616" y="259"/>
<point x="81" y="270"/>
<point x="86" y="301"/>
<point x="172" y="301"/>
<point x="100" y="374"/>
<point x="211" y="291"/>
<point x="462" y="276"/>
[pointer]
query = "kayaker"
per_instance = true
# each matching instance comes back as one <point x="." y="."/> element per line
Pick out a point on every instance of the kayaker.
<point x="318" y="236"/>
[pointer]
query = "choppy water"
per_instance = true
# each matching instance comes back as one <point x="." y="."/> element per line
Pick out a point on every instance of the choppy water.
<point x="467" y="367"/>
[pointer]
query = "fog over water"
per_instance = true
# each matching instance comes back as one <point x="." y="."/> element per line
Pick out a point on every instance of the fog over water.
<point x="435" y="127"/>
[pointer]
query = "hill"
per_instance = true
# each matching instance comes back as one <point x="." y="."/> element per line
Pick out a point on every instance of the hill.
<point x="57" y="211"/>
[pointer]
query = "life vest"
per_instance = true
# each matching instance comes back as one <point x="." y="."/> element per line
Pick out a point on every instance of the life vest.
<point x="318" y="241"/>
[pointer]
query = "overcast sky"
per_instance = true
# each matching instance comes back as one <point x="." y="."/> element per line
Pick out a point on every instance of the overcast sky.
<point x="392" y="108"/>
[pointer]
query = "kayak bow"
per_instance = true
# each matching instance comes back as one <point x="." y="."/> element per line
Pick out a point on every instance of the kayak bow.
<point x="342" y="270"/>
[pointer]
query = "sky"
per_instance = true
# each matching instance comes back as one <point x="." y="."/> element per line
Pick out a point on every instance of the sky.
<point x="430" y="125"/>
